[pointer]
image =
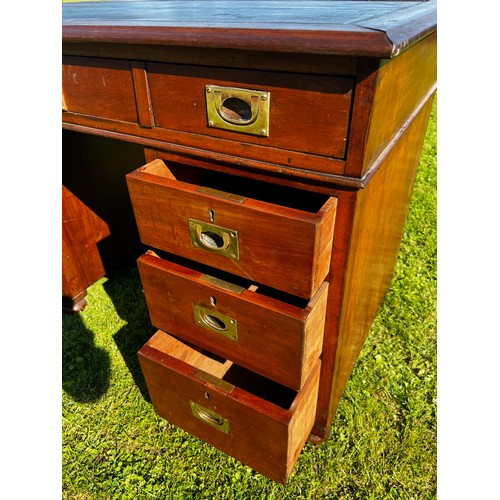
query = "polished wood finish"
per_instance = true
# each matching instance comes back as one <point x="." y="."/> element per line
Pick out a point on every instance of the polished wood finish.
<point x="390" y="93"/>
<point x="98" y="87"/>
<point x="285" y="247"/>
<point x="307" y="113"/>
<point x="371" y="221"/>
<point x="269" y="424"/>
<point x="286" y="162"/>
<point x="122" y="97"/>
<point x="143" y="97"/>
<point x="377" y="229"/>
<point x="327" y="192"/>
<point x="369" y="229"/>
<point x="98" y="228"/>
<point x="82" y="265"/>
<point x="339" y="29"/>
<point x="222" y="57"/>
<point x="402" y="85"/>
<point x="278" y="339"/>
<point x="360" y="28"/>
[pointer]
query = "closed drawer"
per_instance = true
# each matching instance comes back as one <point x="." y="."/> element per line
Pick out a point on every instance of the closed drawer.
<point x="256" y="421"/>
<point x="279" y="339"/>
<point x="306" y="113"/>
<point x="101" y="88"/>
<point x="247" y="233"/>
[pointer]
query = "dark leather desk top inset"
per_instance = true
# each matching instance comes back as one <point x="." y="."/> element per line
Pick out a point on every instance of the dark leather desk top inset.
<point x="340" y="27"/>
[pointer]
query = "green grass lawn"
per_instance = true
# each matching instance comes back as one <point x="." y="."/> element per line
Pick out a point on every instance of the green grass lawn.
<point x="383" y="441"/>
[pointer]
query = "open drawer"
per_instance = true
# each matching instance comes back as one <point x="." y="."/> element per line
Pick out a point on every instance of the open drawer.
<point x="276" y="335"/>
<point x="256" y="421"/>
<point x="273" y="235"/>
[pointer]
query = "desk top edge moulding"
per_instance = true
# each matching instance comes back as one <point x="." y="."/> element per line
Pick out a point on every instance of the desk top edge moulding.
<point x="369" y="28"/>
<point x="257" y="159"/>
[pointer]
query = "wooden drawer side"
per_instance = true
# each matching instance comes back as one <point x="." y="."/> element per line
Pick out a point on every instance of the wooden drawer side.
<point x="324" y="241"/>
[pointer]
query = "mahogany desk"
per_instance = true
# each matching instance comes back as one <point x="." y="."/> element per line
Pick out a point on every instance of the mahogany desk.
<point x="265" y="153"/>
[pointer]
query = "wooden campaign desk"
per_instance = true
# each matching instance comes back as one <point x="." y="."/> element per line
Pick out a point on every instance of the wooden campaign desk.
<point x="264" y="153"/>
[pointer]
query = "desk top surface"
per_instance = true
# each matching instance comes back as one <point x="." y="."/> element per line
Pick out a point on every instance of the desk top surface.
<point x="341" y="27"/>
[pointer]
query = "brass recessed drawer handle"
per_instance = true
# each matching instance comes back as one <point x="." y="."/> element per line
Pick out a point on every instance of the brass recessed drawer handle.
<point x="210" y="417"/>
<point x="217" y="239"/>
<point x="239" y="110"/>
<point x="215" y="322"/>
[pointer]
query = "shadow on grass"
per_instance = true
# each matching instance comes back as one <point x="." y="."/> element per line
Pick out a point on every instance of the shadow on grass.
<point x="125" y="291"/>
<point x="85" y="367"/>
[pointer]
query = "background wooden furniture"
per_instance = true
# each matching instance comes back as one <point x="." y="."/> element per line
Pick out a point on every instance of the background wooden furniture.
<point x="351" y="86"/>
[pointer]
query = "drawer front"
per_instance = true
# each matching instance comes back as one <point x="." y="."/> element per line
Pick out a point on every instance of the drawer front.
<point x="275" y="245"/>
<point x="203" y="396"/>
<point x="281" y="341"/>
<point x="307" y="113"/>
<point x="102" y="88"/>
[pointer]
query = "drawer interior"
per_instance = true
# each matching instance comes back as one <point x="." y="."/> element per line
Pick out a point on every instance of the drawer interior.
<point x="274" y="235"/>
<point x="259" y="422"/>
<point x="269" y="294"/>
<point x="279" y="339"/>
<point x="225" y="370"/>
<point x="285" y="196"/>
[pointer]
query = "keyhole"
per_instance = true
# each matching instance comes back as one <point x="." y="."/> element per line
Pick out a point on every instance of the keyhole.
<point x="211" y="214"/>
<point x="213" y="301"/>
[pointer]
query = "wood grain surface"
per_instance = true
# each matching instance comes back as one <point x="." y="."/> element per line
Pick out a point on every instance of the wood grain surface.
<point x="82" y="265"/>
<point x="279" y="340"/>
<point x="308" y="113"/>
<point x="365" y="28"/>
<point x="266" y="434"/>
<point x="99" y="87"/>
<point x="321" y="203"/>
<point x="378" y="218"/>
<point x="402" y="85"/>
<point x="285" y="248"/>
<point x="99" y="230"/>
